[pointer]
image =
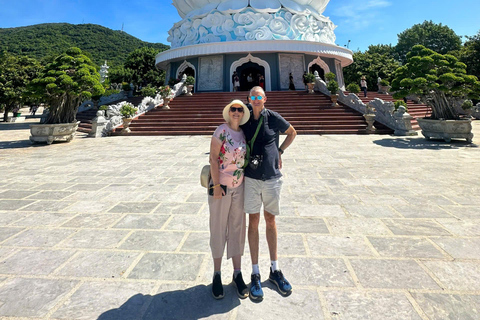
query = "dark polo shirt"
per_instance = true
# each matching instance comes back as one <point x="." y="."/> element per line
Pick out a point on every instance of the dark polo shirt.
<point x="266" y="143"/>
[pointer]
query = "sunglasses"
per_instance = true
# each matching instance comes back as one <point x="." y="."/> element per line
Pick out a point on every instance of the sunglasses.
<point x="233" y="109"/>
<point x="253" y="98"/>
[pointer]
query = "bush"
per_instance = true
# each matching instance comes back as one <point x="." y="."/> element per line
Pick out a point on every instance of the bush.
<point x="310" y="77"/>
<point x="127" y="110"/>
<point x="172" y="82"/>
<point x="399" y="103"/>
<point x="149" y="91"/>
<point x="126" y="86"/>
<point x="384" y="83"/>
<point x="353" y="88"/>
<point x="467" y="105"/>
<point x="332" y="86"/>
<point x="330" y="76"/>
<point x="109" y="92"/>
<point x="103" y="108"/>
<point x="190" y="81"/>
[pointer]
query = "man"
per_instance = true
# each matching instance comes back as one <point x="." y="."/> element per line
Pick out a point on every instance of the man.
<point x="263" y="184"/>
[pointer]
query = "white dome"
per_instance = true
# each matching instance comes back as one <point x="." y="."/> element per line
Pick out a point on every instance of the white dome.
<point x="192" y="8"/>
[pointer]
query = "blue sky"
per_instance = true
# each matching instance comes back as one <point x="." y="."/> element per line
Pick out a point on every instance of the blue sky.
<point x="363" y="22"/>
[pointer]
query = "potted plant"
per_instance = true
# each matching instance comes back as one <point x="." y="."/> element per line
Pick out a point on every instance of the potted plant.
<point x="127" y="111"/>
<point x="399" y="103"/>
<point x="64" y="84"/>
<point x="165" y="93"/>
<point x="332" y="86"/>
<point x="384" y="86"/>
<point x="353" y="88"/>
<point x="438" y="81"/>
<point x="310" y="79"/>
<point x="189" y="83"/>
<point x="467" y="106"/>
<point x="149" y="91"/>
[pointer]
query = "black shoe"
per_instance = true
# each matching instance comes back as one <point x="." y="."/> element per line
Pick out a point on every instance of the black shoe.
<point x="279" y="280"/>
<point x="217" y="287"/>
<point x="242" y="289"/>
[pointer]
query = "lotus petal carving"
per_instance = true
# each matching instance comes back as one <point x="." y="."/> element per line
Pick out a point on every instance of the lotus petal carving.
<point x="192" y="8"/>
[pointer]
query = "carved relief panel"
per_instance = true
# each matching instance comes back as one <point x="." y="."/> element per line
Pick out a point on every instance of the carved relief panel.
<point x="291" y="63"/>
<point x="210" y="73"/>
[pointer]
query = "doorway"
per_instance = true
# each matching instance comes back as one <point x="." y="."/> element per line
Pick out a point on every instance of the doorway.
<point x="251" y="74"/>
<point x="316" y="67"/>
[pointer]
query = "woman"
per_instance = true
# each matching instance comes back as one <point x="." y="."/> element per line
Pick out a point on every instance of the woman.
<point x="364" y="86"/>
<point x="291" y="85"/>
<point x="227" y="217"/>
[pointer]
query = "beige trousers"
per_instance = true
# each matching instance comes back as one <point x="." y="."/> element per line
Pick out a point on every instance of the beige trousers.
<point x="227" y="223"/>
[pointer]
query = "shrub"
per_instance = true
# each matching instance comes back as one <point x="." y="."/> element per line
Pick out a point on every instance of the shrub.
<point x="330" y="76"/>
<point x="126" y="86"/>
<point x="353" y="88"/>
<point x="190" y="81"/>
<point x="172" y="82"/>
<point x="467" y="105"/>
<point x="384" y="83"/>
<point x="127" y="110"/>
<point x="164" y="91"/>
<point x="399" y="103"/>
<point x="310" y="77"/>
<point x="149" y="91"/>
<point x="332" y="86"/>
<point x="103" y="108"/>
<point x="109" y="92"/>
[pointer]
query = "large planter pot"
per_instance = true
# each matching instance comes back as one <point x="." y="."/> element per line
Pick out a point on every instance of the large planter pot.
<point x="446" y="129"/>
<point x="126" y="124"/>
<point x="189" y="89"/>
<point x="334" y="98"/>
<point x="53" y="132"/>
<point x="311" y="87"/>
<point x="384" y="89"/>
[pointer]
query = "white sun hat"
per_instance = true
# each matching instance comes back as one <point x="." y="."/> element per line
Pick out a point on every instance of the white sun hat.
<point x="246" y="112"/>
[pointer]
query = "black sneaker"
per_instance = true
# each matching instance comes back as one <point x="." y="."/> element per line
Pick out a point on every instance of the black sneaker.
<point x="242" y="289"/>
<point x="279" y="280"/>
<point x="217" y="287"/>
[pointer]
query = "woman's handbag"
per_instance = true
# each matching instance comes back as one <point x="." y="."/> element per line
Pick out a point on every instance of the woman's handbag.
<point x="205" y="176"/>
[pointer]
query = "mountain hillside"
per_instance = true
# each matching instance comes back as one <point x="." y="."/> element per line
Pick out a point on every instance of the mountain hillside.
<point x="48" y="39"/>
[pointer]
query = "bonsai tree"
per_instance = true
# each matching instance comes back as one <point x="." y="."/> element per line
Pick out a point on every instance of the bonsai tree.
<point x="353" y="88"/>
<point x="127" y="110"/>
<point x="67" y="81"/>
<point x="190" y="81"/>
<point x="437" y="80"/>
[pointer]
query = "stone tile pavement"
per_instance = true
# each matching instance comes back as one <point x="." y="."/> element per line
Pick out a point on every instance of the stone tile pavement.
<point x="373" y="227"/>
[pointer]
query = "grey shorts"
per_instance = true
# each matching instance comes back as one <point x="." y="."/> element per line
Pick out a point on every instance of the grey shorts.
<point x="258" y="192"/>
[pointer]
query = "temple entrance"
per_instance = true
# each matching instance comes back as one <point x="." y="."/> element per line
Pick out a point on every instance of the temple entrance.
<point x="251" y="74"/>
<point x="316" y="67"/>
<point x="189" y="72"/>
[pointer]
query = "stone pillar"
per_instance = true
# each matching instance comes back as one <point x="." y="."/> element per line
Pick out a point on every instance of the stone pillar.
<point x="98" y="124"/>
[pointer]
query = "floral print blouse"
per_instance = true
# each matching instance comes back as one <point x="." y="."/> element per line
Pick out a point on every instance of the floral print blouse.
<point x="232" y="155"/>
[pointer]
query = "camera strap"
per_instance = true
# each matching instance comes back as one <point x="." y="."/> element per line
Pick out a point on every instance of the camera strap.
<point x="251" y="142"/>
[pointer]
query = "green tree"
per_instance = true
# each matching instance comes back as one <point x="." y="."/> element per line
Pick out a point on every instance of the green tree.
<point x="141" y="63"/>
<point x="436" y="37"/>
<point x="377" y="61"/>
<point x="15" y="74"/>
<point x="470" y="54"/>
<point x="71" y="78"/>
<point x="437" y="80"/>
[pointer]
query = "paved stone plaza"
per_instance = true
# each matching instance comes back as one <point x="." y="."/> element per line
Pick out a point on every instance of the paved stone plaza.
<point x="373" y="227"/>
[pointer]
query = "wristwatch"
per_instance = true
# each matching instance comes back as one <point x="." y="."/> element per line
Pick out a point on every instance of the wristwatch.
<point x="280" y="150"/>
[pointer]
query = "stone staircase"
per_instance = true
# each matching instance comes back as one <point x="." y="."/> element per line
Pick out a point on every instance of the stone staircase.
<point x="414" y="109"/>
<point x="201" y="113"/>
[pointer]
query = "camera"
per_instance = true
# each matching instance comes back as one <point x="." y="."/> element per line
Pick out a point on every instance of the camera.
<point x="255" y="161"/>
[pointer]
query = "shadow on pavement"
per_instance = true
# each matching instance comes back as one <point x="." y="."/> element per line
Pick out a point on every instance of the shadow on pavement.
<point x="15" y="126"/>
<point x="16" y="144"/>
<point x="192" y="303"/>
<point x="420" y="144"/>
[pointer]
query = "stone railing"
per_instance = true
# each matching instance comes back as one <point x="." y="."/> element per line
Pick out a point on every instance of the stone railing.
<point x="104" y="124"/>
<point x="384" y="111"/>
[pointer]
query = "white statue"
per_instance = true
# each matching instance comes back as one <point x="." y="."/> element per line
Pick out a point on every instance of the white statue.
<point x="104" y="72"/>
